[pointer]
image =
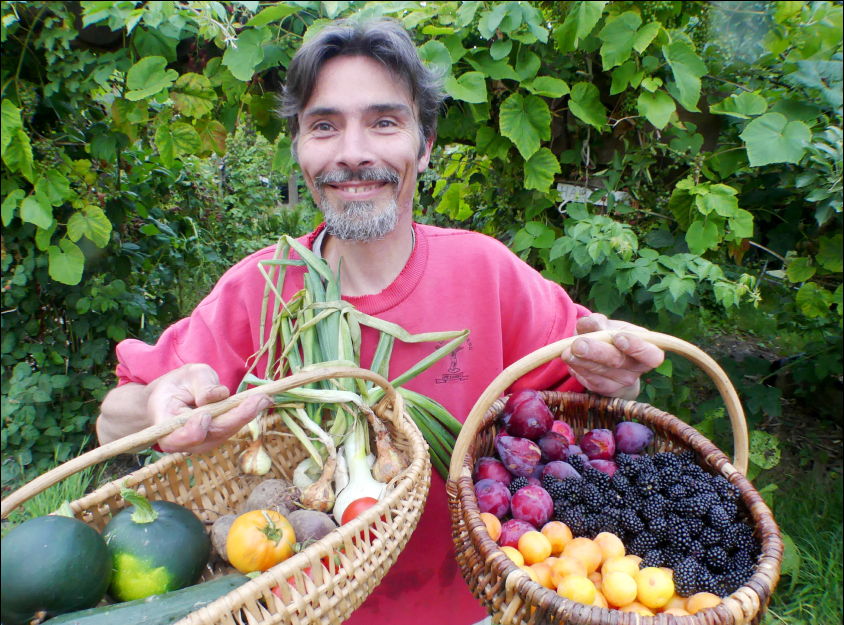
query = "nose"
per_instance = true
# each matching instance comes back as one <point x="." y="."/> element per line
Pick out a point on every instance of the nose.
<point x="354" y="147"/>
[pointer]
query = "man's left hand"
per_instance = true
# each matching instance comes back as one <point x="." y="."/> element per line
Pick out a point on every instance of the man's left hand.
<point x="611" y="370"/>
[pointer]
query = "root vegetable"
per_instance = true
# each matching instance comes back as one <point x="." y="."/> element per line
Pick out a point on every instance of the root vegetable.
<point x="310" y="524"/>
<point x="273" y="494"/>
<point x="220" y="532"/>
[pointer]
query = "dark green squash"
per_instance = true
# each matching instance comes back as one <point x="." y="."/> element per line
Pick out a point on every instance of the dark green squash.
<point x="51" y="565"/>
<point x="155" y="546"/>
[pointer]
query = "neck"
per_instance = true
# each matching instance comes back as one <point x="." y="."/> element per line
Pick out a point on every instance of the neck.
<point x="369" y="267"/>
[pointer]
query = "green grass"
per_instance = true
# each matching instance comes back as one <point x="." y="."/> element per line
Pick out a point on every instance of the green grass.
<point x="808" y="508"/>
<point x="50" y="500"/>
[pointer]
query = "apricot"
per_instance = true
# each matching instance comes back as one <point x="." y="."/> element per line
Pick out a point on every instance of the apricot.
<point x="586" y="551"/>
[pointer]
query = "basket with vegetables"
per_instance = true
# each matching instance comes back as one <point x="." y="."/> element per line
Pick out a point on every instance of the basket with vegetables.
<point x="314" y="500"/>
<point x="586" y="510"/>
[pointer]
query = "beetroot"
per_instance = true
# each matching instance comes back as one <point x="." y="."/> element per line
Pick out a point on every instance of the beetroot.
<point x="632" y="437"/>
<point x="493" y="497"/>
<point x="488" y="467"/>
<point x="512" y="530"/>
<point x="532" y="504"/>
<point x="560" y="469"/>
<point x="529" y="415"/>
<point x="598" y="444"/>
<point x="519" y="455"/>
<point x="554" y="446"/>
<point x="561" y="427"/>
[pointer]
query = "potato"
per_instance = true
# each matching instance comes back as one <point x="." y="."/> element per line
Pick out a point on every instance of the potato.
<point x="273" y="494"/>
<point x="219" y="533"/>
<point x="310" y="524"/>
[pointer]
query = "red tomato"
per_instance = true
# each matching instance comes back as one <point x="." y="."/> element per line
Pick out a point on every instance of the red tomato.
<point x="354" y="509"/>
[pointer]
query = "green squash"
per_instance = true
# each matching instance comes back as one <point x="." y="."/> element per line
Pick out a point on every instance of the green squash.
<point x="155" y="547"/>
<point x="51" y="565"/>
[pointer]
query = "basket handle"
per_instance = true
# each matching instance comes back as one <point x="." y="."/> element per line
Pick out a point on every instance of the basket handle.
<point x="155" y="432"/>
<point x="545" y="354"/>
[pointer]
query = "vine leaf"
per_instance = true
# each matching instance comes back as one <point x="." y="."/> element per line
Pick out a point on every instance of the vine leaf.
<point x="435" y="54"/>
<point x="547" y="86"/>
<point x="540" y="170"/>
<point x="36" y="211"/>
<point x="771" y="138"/>
<point x="702" y="235"/>
<point x="148" y="77"/>
<point x="687" y="68"/>
<point x="274" y="13"/>
<point x="193" y="95"/>
<point x="470" y="87"/>
<point x="656" y="107"/>
<point x="618" y="35"/>
<point x="242" y="59"/>
<point x="65" y="262"/>
<point x="176" y="139"/>
<point x="742" y="105"/>
<point x="586" y="104"/>
<point x="526" y="121"/>
<point x="92" y="223"/>
<point x="580" y="21"/>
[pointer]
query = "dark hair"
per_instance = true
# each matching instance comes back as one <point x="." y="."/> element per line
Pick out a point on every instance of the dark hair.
<point x="384" y="40"/>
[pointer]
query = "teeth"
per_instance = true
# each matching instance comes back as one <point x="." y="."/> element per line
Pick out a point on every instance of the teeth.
<point x="361" y="189"/>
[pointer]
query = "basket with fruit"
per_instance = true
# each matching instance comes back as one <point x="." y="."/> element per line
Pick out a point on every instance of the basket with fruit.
<point x="579" y="509"/>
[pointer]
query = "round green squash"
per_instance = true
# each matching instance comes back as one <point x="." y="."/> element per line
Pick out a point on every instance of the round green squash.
<point x="51" y="565"/>
<point x="155" y="547"/>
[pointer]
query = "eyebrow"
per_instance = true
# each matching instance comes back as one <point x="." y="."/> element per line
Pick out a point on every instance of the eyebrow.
<point x="328" y="111"/>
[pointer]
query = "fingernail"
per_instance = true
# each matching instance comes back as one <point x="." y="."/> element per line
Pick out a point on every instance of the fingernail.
<point x="205" y="421"/>
<point x="580" y="348"/>
<point x="621" y="342"/>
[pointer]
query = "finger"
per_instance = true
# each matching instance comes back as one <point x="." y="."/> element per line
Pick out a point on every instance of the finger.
<point x="585" y="352"/>
<point x="231" y="421"/>
<point x="640" y="350"/>
<point x="190" y="435"/>
<point x="592" y="323"/>
<point x="204" y="384"/>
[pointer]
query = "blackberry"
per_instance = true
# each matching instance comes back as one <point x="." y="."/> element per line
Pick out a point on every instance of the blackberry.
<point x="695" y="527"/>
<point x="619" y="483"/>
<point x="571" y="487"/>
<point x="653" y="507"/>
<point x="677" y="491"/>
<point x="631" y="522"/>
<point x="681" y="507"/>
<point x="652" y="557"/>
<point x="696" y="550"/>
<point x="678" y="535"/>
<point x="717" y="518"/>
<point x="577" y="462"/>
<point x="658" y="527"/>
<point x="594" y="523"/>
<point x="669" y="475"/>
<point x="599" y="478"/>
<point x="642" y="543"/>
<point x="685" y="577"/>
<point x="665" y="459"/>
<point x="709" y="536"/>
<point x="687" y="457"/>
<point x="554" y="487"/>
<point x="593" y="498"/>
<point x="517" y="483"/>
<point x="730" y="508"/>
<point x="699" y="505"/>
<point x="672" y="557"/>
<point x="734" y="580"/>
<point x="647" y="483"/>
<point x="707" y="582"/>
<point x="645" y="464"/>
<point x="741" y="560"/>
<point x="716" y="559"/>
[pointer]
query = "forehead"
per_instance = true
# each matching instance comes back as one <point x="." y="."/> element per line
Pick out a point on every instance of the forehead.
<point x="351" y="83"/>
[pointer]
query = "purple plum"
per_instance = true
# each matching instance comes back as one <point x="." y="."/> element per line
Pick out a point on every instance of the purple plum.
<point x="530" y="416"/>
<point x="605" y="466"/>
<point x="561" y="427"/>
<point x="519" y="455"/>
<point x="554" y="446"/>
<point x="488" y="467"/>
<point x="493" y="497"/>
<point x="632" y="437"/>
<point x="511" y="532"/>
<point x="561" y="470"/>
<point x="532" y="504"/>
<point x="598" y="444"/>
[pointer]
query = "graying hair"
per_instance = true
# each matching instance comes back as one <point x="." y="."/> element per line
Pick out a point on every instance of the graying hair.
<point x="384" y="40"/>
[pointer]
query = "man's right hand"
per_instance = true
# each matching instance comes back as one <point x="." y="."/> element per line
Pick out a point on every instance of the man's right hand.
<point x="133" y="407"/>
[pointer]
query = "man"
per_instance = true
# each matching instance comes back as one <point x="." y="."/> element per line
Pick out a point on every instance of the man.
<point x="362" y="110"/>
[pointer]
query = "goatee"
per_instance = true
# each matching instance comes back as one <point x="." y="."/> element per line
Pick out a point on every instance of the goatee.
<point x="358" y="220"/>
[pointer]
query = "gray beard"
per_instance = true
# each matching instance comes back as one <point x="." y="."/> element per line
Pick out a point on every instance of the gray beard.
<point x="359" y="221"/>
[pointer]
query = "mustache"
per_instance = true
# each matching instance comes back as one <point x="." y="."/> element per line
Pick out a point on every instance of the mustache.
<point x="363" y="174"/>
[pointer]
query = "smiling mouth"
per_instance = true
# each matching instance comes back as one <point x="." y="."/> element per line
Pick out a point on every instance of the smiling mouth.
<point x="356" y="189"/>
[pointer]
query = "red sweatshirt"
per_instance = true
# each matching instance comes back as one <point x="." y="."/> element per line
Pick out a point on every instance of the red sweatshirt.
<point x="453" y="280"/>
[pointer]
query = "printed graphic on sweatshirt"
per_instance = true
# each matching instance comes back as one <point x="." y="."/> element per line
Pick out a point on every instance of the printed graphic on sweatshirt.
<point x="454" y="373"/>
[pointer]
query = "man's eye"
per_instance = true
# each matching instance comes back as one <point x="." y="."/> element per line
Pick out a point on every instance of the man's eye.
<point x="322" y="127"/>
<point x="385" y="123"/>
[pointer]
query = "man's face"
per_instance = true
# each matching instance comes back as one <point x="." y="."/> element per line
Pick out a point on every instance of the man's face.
<point x="359" y="147"/>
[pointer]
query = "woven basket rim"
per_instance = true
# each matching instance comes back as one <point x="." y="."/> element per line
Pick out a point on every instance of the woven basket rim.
<point x="756" y="590"/>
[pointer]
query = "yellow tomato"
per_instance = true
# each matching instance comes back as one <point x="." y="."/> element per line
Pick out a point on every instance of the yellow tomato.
<point x="258" y="540"/>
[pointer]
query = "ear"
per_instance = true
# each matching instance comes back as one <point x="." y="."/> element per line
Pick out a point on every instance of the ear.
<point x="425" y="158"/>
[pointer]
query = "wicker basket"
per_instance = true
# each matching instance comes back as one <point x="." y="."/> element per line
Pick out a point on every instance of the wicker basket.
<point x="507" y="592"/>
<point x="212" y="485"/>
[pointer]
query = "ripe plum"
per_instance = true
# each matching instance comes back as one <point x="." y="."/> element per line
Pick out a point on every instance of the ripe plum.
<point x="512" y="530"/>
<point x="488" y="467"/>
<point x="605" y="466"/>
<point x="561" y="427"/>
<point x="493" y="497"/>
<point x="632" y="437"/>
<point x="529" y="415"/>
<point x="532" y="504"/>
<point x="560" y="469"/>
<point x="553" y="445"/>
<point x="598" y="444"/>
<point x="519" y="455"/>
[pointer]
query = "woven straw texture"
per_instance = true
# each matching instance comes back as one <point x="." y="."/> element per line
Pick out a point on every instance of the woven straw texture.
<point x="357" y="555"/>
<point x="509" y="594"/>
